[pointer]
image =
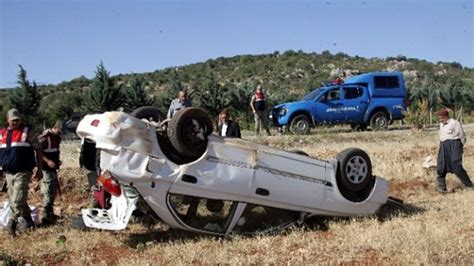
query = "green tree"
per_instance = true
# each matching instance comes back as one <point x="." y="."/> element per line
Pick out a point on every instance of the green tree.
<point x="104" y="94"/>
<point x="136" y="96"/>
<point x="25" y="98"/>
<point x="212" y="96"/>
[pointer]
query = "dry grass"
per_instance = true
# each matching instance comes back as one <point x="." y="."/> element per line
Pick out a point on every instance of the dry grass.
<point x="430" y="229"/>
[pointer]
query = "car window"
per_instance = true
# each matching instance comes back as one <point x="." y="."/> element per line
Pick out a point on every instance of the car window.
<point x="386" y="82"/>
<point x="310" y="96"/>
<point x="201" y="213"/>
<point x="352" y="92"/>
<point x="331" y="95"/>
<point x="257" y="218"/>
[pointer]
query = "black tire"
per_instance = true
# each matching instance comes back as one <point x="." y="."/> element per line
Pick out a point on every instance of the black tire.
<point x="148" y="113"/>
<point x="300" y="125"/>
<point x="354" y="170"/>
<point x="379" y="121"/>
<point x="188" y="131"/>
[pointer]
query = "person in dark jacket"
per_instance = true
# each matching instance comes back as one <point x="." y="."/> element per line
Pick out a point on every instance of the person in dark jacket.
<point x="18" y="161"/>
<point x="452" y="139"/>
<point x="227" y="127"/>
<point x="50" y="141"/>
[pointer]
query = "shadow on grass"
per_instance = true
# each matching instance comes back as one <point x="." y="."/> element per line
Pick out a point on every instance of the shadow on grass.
<point x="393" y="209"/>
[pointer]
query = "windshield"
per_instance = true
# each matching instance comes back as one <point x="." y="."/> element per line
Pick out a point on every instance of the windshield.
<point x="312" y="95"/>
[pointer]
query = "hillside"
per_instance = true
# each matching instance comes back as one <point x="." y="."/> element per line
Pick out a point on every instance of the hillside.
<point x="285" y="76"/>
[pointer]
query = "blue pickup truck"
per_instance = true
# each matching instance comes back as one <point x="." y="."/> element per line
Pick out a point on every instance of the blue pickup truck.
<point x="372" y="99"/>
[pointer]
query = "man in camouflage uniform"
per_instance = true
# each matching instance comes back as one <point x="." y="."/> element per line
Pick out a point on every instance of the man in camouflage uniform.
<point x="50" y="140"/>
<point x="18" y="161"/>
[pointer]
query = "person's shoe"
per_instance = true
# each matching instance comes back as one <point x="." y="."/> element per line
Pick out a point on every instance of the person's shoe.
<point x="11" y="227"/>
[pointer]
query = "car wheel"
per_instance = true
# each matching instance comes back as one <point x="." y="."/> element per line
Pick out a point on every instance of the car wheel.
<point x="149" y="114"/>
<point x="379" y="121"/>
<point x="354" y="169"/>
<point x="300" y="125"/>
<point x="188" y="131"/>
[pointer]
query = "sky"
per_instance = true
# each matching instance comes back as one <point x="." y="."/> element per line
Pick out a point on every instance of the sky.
<point x="59" y="40"/>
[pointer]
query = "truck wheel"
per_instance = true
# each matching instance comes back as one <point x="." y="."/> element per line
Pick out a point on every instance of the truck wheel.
<point x="354" y="170"/>
<point x="150" y="114"/>
<point x="188" y="131"/>
<point x="379" y="121"/>
<point x="299" y="125"/>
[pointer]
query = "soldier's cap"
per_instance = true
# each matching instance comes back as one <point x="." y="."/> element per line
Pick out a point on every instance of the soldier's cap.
<point x="13" y="114"/>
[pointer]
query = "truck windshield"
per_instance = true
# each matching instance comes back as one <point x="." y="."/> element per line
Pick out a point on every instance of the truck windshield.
<point x="312" y="95"/>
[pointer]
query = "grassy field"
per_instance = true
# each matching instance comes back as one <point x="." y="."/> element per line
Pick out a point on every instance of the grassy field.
<point x="430" y="229"/>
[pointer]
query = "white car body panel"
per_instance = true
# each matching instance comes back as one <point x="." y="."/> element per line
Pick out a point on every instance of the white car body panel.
<point x="230" y="169"/>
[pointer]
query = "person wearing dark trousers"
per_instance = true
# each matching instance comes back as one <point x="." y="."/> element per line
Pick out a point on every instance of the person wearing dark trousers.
<point x="452" y="139"/>
<point x="227" y="127"/>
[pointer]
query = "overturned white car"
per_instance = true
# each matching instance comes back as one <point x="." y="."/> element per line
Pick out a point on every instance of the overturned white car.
<point x="194" y="180"/>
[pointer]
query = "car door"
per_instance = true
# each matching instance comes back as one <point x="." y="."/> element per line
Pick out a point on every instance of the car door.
<point x="355" y="103"/>
<point x="328" y="107"/>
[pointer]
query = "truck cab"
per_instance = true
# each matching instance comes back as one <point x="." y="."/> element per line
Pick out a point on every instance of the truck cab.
<point x="373" y="99"/>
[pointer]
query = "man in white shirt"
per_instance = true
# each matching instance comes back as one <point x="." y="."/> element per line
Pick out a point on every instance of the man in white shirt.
<point x="452" y="139"/>
<point x="179" y="103"/>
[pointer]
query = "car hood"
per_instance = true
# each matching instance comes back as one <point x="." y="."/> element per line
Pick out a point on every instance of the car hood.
<point x="296" y="104"/>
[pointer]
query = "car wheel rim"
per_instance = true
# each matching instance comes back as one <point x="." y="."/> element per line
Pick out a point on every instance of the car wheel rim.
<point x="380" y="122"/>
<point x="357" y="169"/>
<point x="301" y="126"/>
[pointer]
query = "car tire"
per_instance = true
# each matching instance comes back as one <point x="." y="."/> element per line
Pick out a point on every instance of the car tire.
<point x="379" y="121"/>
<point x="300" y="125"/>
<point x="188" y="131"/>
<point x="148" y="113"/>
<point x="354" y="170"/>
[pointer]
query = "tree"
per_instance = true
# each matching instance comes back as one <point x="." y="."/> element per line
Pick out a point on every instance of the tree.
<point x="104" y="95"/>
<point x="174" y="85"/>
<point x="135" y="96"/>
<point x="212" y="96"/>
<point x="240" y="100"/>
<point x="25" y="98"/>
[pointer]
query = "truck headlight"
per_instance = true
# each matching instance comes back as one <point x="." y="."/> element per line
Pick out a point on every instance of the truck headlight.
<point x="282" y="111"/>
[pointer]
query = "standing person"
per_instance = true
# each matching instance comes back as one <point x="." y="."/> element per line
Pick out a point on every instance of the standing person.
<point x="452" y="139"/>
<point x="257" y="103"/>
<point x="227" y="127"/>
<point x="18" y="162"/>
<point x="50" y="141"/>
<point x="181" y="102"/>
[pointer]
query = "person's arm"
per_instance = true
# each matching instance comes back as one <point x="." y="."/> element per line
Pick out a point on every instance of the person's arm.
<point x="170" y="110"/>
<point x="462" y="134"/>
<point x="252" y="104"/>
<point x="39" y="156"/>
